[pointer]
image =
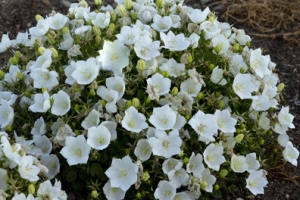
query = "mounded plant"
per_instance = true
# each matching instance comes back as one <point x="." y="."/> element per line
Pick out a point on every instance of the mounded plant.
<point x="147" y="100"/>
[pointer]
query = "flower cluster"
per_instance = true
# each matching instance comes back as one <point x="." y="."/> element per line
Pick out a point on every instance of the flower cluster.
<point x="145" y="99"/>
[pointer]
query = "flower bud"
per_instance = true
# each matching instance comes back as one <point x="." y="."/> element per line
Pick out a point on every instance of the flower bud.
<point x="128" y="4"/>
<point x="220" y="105"/>
<point x="38" y="17"/>
<point x="138" y="195"/>
<point x="2" y="74"/>
<point x="236" y="47"/>
<point x="239" y="138"/>
<point x="18" y="54"/>
<point x="145" y="176"/>
<point x="141" y="65"/>
<point x="113" y="15"/>
<point x="20" y="76"/>
<point x="218" y="49"/>
<point x="216" y="187"/>
<point x="211" y="18"/>
<point x="187" y="117"/>
<point x="186" y="160"/>
<point x="211" y="66"/>
<point x="50" y="39"/>
<point x="77" y="132"/>
<point x="174" y="91"/>
<point x="103" y="102"/>
<point x="148" y="100"/>
<point x="31" y="189"/>
<point x="111" y="27"/>
<point x="8" y="128"/>
<point x="136" y="102"/>
<point x="54" y="53"/>
<point x="200" y="95"/>
<point x="190" y="58"/>
<point x="83" y="3"/>
<point x="98" y="39"/>
<point x="128" y="103"/>
<point x="65" y="30"/>
<point x="53" y="34"/>
<point x="280" y="87"/>
<point x="160" y="3"/>
<point x="44" y="90"/>
<point x="41" y="50"/>
<point x="14" y="60"/>
<point x="134" y="16"/>
<point x="248" y="44"/>
<point x="98" y="2"/>
<point x="261" y="141"/>
<point x="94" y="194"/>
<point x="96" y="30"/>
<point x="165" y="74"/>
<point x="223" y="173"/>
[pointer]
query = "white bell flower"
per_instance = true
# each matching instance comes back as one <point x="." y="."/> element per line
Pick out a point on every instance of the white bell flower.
<point x="195" y="165"/>
<point x="76" y="150"/>
<point x="6" y="114"/>
<point x="68" y="72"/>
<point x="175" y="69"/>
<point x="161" y="24"/>
<point x="279" y="128"/>
<point x="160" y="83"/>
<point x="146" y="13"/>
<point x="9" y="97"/>
<point x="111" y="96"/>
<point x="39" y="127"/>
<point x="63" y="131"/>
<point x="207" y="180"/>
<point x="225" y="122"/>
<point x="98" y="137"/>
<point x="134" y="121"/>
<point x="285" y="118"/>
<point x="43" y="78"/>
<point x="264" y="121"/>
<point x="122" y="173"/>
<point x="93" y="119"/>
<point x="52" y="163"/>
<point x="236" y="63"/>
<point x="210" y="28"/>
<point x="217" y="76"/>
<point x="271" y="80"/>
<point x="61" y="104"/>
<point x="40" y="29"/>
<point x="197" y="16"/>
<point x="163" y="118"/>
<point x="11" y="152"/>
<point x="113" y="193"/>
<point x="243" y="85"/>
<point x="147" y="49"/>
<point x="116" y="83"/>
<point x="256" y="182"/>
<point x="171" y="165"/>
<point x="127" y="35"/>
<point x="42" y="142"/>
<point x="283" y="139"/>
<point x="242" y="38"/>
<point x="5" y="43"/>
<point x="260" y="103"/>
<point x="179" y="178"/>
<point x="238" y="164"/>
<point x="291" y="154"/>
<point x="252" y="162"/>
<point x="143" y="150"/>
<point x="102" y="20"/>
<point x="11" y="77"/>
<point x="67" y="42"/>
<point x="112" y="127"/>
<point x="221" y="42"/>
<point x="181" y="196"/>
<point x="86" y="71"/>
<point x="58" y="21"/>
<point x="27" y="170"/>
<point x="41" y="102"/>
<point x="259" y="63"/>
<point x="191" y="87"/>
<point x="165" y="191"/>
<point x="164" y="144"/>
<point x="180" y="122"/>
<point x="175" y="42"/>
<point x="213" y="156"/>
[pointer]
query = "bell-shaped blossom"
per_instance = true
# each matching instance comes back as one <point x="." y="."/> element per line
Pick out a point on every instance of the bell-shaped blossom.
<point x="40" y="29"/>
<point x="27" y="170"/>
<point x="256" y="182"/>
<point x="279" y="128"/>
<point x="86" y="71"/>
<point x="58" y="21"/>
<point x="236" y="64"/>
<point x="161" y="24"/>
<point x="205" y="125"/>
<point x="271" y="80"/>
<point x="62" y="133"/>
<point x="6" y="114"/>
<point x="76" y="150"/>
<point x="213" y="156"/>
<point x="143" y="150"/>
<point x="197" y="16"/>
<point x="67" y="42"/>
<point x="22" y="38"/>
<point x="43" y="78"/>
<point x="171" y="165"/>
<point x="3" y="177"/>
<point x="259" y="63"/>
<point x="164" y="144"/>
<point x="116" y="83"/>
<point x="225" y="122"/>
<point x="194" y="39"/>
<point x="147" y="49"/>
<point x="11" y="152"/>
<point x="112" y="127"/>
<point x="102" y="20"/>
<point x="43" y="143"/>
<point x="211" y="28"/>
<point x="207" y="180"/>
<point x="163" y="118"/>
<point x="217" y="76"/>
<point x="61" y="104"/>
<point x="283" y="139"/>
<point x="114" y="56"/>
<point x="179" y="178"/>
<point x="243" y="85"/>
<point x="146" y="13"/>
<point x="160" y="83"/>
<point x="220" y="44"/>
<point x="9" y="97"/>
<point x="174" y="42"/>
<point x="291" y="154"/>
<point x="111" y="96"/>
<point x="98" y="137"/>
<point x="91" y="120"/>
<point x="182" y="195"/>
<point x="52" y="163"/>
<point x="195" y="165"/>
<point x="175" y="69"/>
<point x="74" y="51"/>
<point x="165" y="191"/>
<point x="264" y="121"/>
<point x="134" y="121"/>
<point x="41" y="102"/>
<point x="285" y="118"/>
<point x="260" y="103"/>
<point x="68" y="72"/>
<point x="112" y="193"/>
<point x="180" y="122"/>
<point x="46" y="190"/>
<point x="252" y="162"/>
<point x="127" y="35"/>
<point x="238" y="164"/>
<point x="190" y="87"/>
<point x="12" y="75"/>
<point x="5" y="43"/>
<point x="122" y="173"/>
<point x="241" y="37"/>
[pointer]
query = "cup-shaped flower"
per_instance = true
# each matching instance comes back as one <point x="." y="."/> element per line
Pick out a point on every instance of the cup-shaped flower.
<point x="116" y="83"/>
<point x="61" y="104"/>
<point x="91" y="120"/>
<point x="46" y="190"/>
<point x="122" y="173"/>
<point x="40" y="29"/>
<point x="43" y="143"/>
<point x="127" y="35"/>
<point x="101" y="20"/>
<point x="143" y="150"/>
<point x="252" y="162"/>
<point x="12" y="77"/>
<point x="158" y="82"/>
<point x="39" y="127"/>
<point x="243" y="85"/>
<point x="11" y="152"/>
<point x="290" y="153"/>
<point x="111" y="96"/>
<point x="237" y="63"/>
<point x="190" y="87"/>
<point x="76" y="150"/>
<point x="195" y="165"/>
<point x="197" y="16"/>
<point x="134" y="121"/>
<point x="6" y="114"/>
<point x="52" y="163"/>
<point x="98" y="137"/>
<point x="256" y="182"/>
<point x="207" y="180"/>
<point x="86" y="71"/>
<point x="114" y="56"/>
<point x="175" y="42"/>
<point x="163" y="118"/>
<point x="57" y="21"/>
<point x="283" y="139"/>
<point x="161" y="24"/>
<point x="259" y="63"/>
<point x="217" y="76"/>
<point x="43" y="78"/>
<point x="175" y="69"/>
<point x="67" y="43"/>
<point x="147" y="49"/>
<point x="43" y="61"/>
<point x="285" y="118"/>
<point x="9" y="97"/>
<point x="112" y="127"/>
<point x="164" y="144"/>
<point x="179" y="178"/>
<point x="213" y="156"/>
<point x="113" y="193"/>
<point x="225" y="122"/>
<point x="27" y="170"/>
<point x="68" y="72"/>
<point x="165" y="191"/>
<point x="41" y="102"/>
<point x="238" y="164"/>
<point x="171" y="165"/>
<point x="5" y="43"/>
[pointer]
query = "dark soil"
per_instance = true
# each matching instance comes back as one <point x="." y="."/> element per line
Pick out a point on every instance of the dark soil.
<point x="19" y="15"/>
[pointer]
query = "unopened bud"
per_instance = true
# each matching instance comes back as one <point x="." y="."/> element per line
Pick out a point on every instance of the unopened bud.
<point x="223" y="173"/>
<point x="174" y="91"/>
<point x="200" y="95"/>
<point x="280" y="87"/>
<point x="261" y="141"/>
<point x="187" y="117"/>
<point x="148" y="100"/>
<point x="136" y="102"/>
<point x="218" y="49"/>
<point x="38" y="17"/>
<point x="141" y="65"/>
<point x="98" y="2"/>
<point x="248" y="44"/>
<point x="50" y="39"/>
<point x="111" y="27"/>
<point x="186" y="160"/>
<point x="44" y="90"/>
<point x="96" y="30"/>
<point x="211" y="66"/>
<point x="18" y="54"/>
<point x="236" y="47"/>
<point x="20" y="76"/>
<point x="2" y="74"/>
<point x="128" y="4"/>
<point x="239" y="138"/>
<point x="41" y="50"/>
<point x="242" y="70"/>
<point x="160" y="3"/>
<point x="98" y="39"/>
<point x="31" y="189"/>
<point x="145" y="176"/>
<point x="94" y="194"/>
<point x="103" y="102"/>
<point x="128" y="103"/>
<point x="216" y="187"/>
<point x="8" y="128"/>
<point x="113" y="16"/>
<point x="83" y="3"/>
<point x="134" y="16"/>
<point x="53" y="34"/>
<point x="54" y="53"/>
<point x="190" y="58"/>
<point x="138" y="195"/>
<point x="65" y="30"/>
<point x="14" y="60"/>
